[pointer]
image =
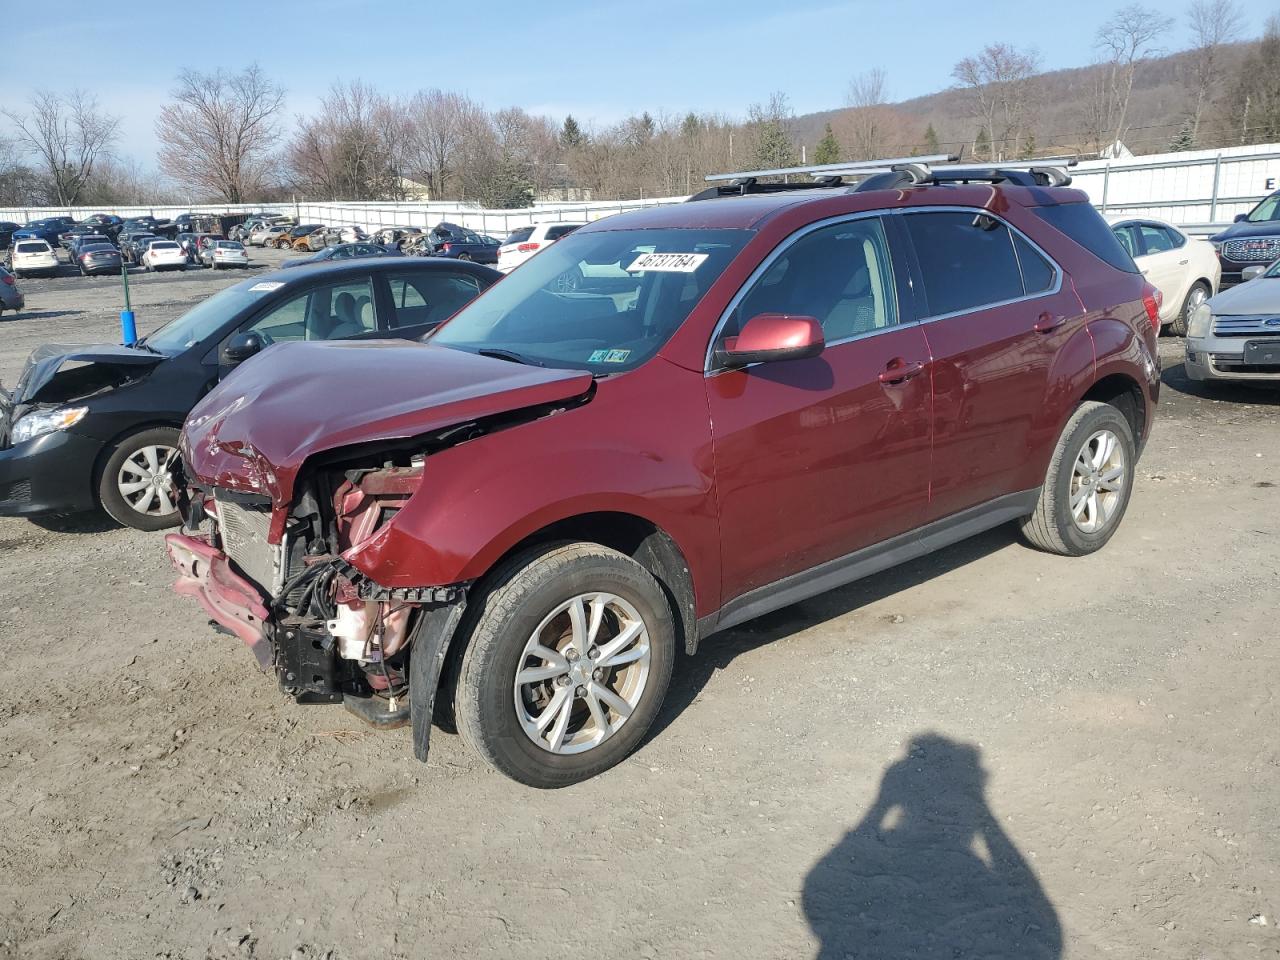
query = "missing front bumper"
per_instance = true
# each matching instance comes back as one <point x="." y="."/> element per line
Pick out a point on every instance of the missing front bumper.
<point x="205" y="574"/>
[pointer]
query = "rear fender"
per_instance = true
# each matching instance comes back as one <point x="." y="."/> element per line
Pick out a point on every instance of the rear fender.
<point x="1070" y="374"/>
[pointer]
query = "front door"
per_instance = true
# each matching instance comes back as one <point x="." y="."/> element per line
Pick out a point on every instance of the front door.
<point x="817" y="458"/>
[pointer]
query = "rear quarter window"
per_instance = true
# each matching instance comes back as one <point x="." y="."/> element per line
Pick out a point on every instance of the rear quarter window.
<point x="1083" y="224"/>
<point x="520" y="236"/>
<point x="555" y="233"/>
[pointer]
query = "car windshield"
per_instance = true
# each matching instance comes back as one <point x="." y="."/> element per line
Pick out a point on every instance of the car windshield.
<point x="230" y="245"/>
<point x="164" y="245"/>
<point x="208" y="316"/>
<point x="98" y="248"/>
<point x="604" y="301"/>
<point x="33" y="246"/>
<point x="1268" y="209"/>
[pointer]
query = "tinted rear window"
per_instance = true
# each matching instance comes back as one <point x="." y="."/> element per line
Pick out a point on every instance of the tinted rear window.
<point x="521" y="235"/>
<point x="34" y="246"/>
<point x="967" y="260"/>
<point x="1085" y="226"/>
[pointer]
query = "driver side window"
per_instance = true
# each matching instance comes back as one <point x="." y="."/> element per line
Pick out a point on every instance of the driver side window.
<point x="840" y="275"/>
<point x="329" y="312"/>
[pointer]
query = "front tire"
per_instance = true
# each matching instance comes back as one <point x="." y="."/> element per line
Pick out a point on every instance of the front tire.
<point x="1197" y="295"/>
<point x="1088" y="484"/>
<point x="136" y="486"/>
<point x="569" y="659"/>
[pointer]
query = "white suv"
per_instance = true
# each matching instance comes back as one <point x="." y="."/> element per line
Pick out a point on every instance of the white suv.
<point x="33" y="258"/>
<point x="526" y="241"/>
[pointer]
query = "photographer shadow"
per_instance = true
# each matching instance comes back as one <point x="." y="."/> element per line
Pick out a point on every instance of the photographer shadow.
<point x="928" y="873"/>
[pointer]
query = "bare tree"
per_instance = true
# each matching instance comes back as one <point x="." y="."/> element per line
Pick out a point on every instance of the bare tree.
<point x="862" y="126"/>
<point x="1214" y="24"/>
<point x="1255" y="97"/>
<point x="1000" y="81"/>
<point x="69" y="135"/>
<point x="351" y="150"/>
<point x="1125" y="41"/>
<point x="217" y="135"/>
<point x="439" y="123"/>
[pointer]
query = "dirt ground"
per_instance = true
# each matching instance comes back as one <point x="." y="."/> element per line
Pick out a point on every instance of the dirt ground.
<point x="988" y="753"/>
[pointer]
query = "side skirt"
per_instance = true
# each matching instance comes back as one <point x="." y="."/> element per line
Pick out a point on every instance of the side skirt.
<point x="869" y="560"/>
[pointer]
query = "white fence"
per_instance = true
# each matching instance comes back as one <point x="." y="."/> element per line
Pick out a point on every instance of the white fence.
<point x="1199" y="190"/>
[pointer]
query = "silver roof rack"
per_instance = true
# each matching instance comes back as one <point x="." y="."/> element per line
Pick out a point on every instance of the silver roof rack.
<point x="858" y="168"/>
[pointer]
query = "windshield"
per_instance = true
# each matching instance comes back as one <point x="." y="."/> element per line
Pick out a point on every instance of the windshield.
<point x="1268" y="209"/>
<point x="603" y="301"/>
<point x="207" y="317"/>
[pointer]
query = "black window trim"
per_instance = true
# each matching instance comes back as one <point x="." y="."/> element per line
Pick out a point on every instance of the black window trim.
<point x="1050" y="291"/>
<point x="709" y="366"/>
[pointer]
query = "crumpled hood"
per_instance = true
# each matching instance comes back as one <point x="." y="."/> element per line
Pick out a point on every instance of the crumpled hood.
<point x="256" y="429"/>
<point x="1258" y="297"/>
<point x="36" y="382"/>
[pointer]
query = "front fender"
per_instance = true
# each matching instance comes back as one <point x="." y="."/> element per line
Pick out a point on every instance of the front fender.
<point x="641" y="446"/>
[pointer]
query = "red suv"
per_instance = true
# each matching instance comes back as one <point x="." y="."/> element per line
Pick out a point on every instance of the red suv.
<point x="667" y="423"/>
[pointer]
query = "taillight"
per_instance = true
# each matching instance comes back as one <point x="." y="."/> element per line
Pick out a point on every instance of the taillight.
<point x="1152" y="300"/>
<point x="7" y="279"/>
<point x="448" y="247"/>
<point x="528" y="247"/>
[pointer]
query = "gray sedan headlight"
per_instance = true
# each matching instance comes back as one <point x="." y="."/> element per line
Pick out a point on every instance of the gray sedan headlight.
<point x="39" y="422"/>
<point x="1200" y="322"/>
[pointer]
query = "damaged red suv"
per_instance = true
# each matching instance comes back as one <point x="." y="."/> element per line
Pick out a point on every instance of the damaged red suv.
<point x="668" y="423"/>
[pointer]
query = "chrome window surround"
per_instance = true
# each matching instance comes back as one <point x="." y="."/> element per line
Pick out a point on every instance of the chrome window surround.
<point x="710" y="369"/>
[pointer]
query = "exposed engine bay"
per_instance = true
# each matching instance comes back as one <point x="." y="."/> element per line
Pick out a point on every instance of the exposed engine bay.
<point x="329" y="634"/>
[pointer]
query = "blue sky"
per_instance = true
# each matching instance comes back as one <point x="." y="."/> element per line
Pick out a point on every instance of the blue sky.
<point x="599" y="61"/>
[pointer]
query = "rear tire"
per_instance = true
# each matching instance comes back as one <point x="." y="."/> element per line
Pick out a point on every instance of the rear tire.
<point x="584" y="710"/>
<point x="129" y="464"/>
<point x="1197" y="295"/>
<point x="1088" y="484"/>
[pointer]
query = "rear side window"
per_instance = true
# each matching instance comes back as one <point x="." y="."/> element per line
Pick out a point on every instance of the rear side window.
<point x="521" y="235"/>
<point x="1037" y="272"/>
<point x="555" y="233"/>
<point x="1085" y="226"/>
<point x="420" y="298"/>
<point x="967" y="260"/>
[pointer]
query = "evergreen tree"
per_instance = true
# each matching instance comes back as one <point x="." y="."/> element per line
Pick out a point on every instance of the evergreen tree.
<point x="982" y="145"/>
<point x="691" y="125"/>
<point x="828" y="149"/>
<point x="571" y="134"/>
<point x="1185" y="138"/>
<point x="931" y="144"/>
<point x="1028" y="150"/>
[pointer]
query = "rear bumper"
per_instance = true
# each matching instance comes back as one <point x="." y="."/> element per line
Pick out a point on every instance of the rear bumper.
<point x="205" y="574"/>
<point x="50" y="474"/>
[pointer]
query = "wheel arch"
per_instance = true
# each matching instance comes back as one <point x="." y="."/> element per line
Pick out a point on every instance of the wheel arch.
<point x="1123" y="392"/>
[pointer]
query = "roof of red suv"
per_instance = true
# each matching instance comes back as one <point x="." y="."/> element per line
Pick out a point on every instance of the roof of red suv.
<point x="750" y="211"/>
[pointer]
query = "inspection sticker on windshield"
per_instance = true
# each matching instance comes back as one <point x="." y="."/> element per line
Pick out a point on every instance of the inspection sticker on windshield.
<point x="667" y="262"/>
<point x="266" y="286"/>
<point x="609" y="356"/>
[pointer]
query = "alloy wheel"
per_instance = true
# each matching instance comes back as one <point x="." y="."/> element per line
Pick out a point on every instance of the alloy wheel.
<point x="145" y="480"/>
<point x="582" y="673"/>
<point x="1097" y="481"/>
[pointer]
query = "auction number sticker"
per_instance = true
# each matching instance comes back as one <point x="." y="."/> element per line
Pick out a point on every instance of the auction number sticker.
<point x="667" y="262"/>
<point x="266" y="286"/>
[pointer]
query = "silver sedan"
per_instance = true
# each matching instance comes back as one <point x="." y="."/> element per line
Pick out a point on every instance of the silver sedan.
<point x="1235" y="336"/>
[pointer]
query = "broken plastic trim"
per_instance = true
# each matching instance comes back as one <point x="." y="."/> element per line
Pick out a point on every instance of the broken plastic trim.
<point x="366" y="589"/>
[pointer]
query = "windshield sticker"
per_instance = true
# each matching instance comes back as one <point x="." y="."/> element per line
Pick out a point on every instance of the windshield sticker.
<point x="609" y="356"/>
<point x="266" y="286"/>
<point x="667" y="262"/>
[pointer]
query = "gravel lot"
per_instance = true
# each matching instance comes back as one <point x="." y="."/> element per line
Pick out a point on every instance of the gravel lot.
<point x="1029" y="756"/>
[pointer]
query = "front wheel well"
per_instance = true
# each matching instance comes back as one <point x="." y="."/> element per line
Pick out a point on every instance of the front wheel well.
<point x="1123" y="393"/>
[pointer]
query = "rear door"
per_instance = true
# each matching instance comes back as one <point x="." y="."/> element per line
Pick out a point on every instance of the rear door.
<point x="818" y="458"/>
<point x="998" y="311"/>
<point x="1164" y="261"/>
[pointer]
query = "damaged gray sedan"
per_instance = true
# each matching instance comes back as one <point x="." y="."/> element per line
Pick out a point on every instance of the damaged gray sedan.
<point x="96" y="427"/>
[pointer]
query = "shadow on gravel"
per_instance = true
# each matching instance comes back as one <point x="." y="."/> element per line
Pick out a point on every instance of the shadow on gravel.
<point x="928" y="873"/>
<point x="1174" y="377"/>
<point x="76" y="523"/>
<point x="715" y="652"/>
<point x="42" y="314"/>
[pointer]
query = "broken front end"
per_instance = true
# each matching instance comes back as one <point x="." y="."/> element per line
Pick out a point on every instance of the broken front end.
<point x="285" y="586"/>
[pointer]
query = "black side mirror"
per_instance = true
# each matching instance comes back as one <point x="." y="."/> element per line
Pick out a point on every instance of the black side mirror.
<point x="1241" y="217"/>
<point x="241" y="347"/>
